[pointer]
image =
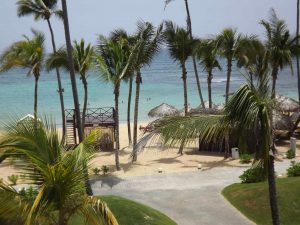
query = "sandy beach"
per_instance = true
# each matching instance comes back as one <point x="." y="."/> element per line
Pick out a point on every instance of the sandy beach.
<point x="154" y="157"/>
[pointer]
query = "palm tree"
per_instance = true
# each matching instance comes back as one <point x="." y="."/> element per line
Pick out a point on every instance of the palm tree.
<point x="71" y="68"/>
<point x="280" y="46"/>
<point x="83" y="56"/>
<point x="207" y="54"/>
<point x="44" y="9"/>
<point x="180" y="46"/>
<point x="249" y="108"/>
<point x="28" y="54"/>
<point x="115" y="66"/>
<point x="58" y="176"/>
<point x="228" y="43"/>
<point x="253" y="57"/>
<point x="150" y="41"/>
<point x="189" y="28"/>
<point x="297" y="34"/>
<point x="130" y="41"/>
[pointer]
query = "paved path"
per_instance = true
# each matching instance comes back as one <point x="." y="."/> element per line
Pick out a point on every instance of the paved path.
<point x="189" y="198"/>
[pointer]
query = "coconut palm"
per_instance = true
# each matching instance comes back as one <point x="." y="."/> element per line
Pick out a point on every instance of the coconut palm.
<point x="189" y="29"/>
<point x="150" y="41"/>
<point x="28" y="54"/>
<point x="280" y="46"/>
<point x="252" y="56"/>
<point x="57" y="175"/>
<point x="83" y="56"/>
<point x="207" y="55"/>
<point x="72" y="70"/>
<point x="248" y="109"/>
<point x="130" y="41"/>
<point x="44" y="9"/>
<point x="228" y="43"/>
<point x="181" y="47"/>
<point x="297" y="34"/>
<point x="115" y="66"/>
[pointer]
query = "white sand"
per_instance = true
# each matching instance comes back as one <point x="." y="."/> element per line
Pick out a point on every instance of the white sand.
<point x="153" y="158"/>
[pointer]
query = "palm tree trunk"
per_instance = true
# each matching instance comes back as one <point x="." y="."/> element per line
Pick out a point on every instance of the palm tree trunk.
<point x="273" y="192"/>
<point x="116" y="92"/>
<point x="60" y="89"/>
<point x="129" y="110"/>
<point x="35" y="107"/>
<point x="71" y="68"/>
<point x="274" y="78"/>
<point x="74" y="87"/>
<point x="209" y="78"/>
<point x="297" y="34"/>
<point x="138" y="81"/>
<point x="185" y="95"/>
<point x="189" y="27"/>
<point x="85" y="87"/>
<point x="229" y="69"/>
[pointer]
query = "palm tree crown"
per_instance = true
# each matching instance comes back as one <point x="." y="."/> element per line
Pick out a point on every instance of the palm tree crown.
<point x="57" y="174"/>
<point x="40" y="9"/>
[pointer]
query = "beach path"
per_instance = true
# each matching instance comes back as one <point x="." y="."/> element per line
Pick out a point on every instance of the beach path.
<point x="189" y="198"/>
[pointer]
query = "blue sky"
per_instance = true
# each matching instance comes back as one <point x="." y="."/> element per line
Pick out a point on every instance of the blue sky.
<point x="91" y="17"/>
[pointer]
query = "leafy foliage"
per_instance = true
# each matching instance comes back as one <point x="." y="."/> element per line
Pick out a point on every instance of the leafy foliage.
<point x="253" y="175"/>
<point x="290" y="154"/>
<point x="59" y="175"/>
<point x="13" y="179"/>
<point x="245" y="158"/>
<point x="294" y="169"/>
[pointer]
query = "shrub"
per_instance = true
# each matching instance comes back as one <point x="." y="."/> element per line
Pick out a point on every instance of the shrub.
<point x="104" y="169"/>
<point x="245" y="158"/>
<point x="294" y="169"/>
<point x="29" y="193"/>
<point x="13" y="179"/>
<point x="253" y="175"/>
<point x="96" y="171"/>
<point x="290" y="154"/>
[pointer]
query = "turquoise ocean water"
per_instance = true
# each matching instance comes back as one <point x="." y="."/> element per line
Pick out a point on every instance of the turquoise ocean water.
<point x="161" y="83"/>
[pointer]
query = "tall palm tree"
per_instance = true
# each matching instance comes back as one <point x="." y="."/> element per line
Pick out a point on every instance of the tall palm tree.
<point x="44" y="9"/>
<point x="297" y="34"/>
<point x="83" y="56"/>
<point x="71" y="68"/>
<point x="115" y="66"/>
<point x="58" y="175"/>
<point x="280" y="46"/>
<point x="252" y="57"/>
<point x="150" y="40"/>
<point x="228" y="44"/>
<point x="249" y="108"/>
<point x="28" y="54"/>
<point x="207" y="54"/>
<point x="130" y="41"/>
<point x="181" y="47"/>
<point x="189" y="28"/>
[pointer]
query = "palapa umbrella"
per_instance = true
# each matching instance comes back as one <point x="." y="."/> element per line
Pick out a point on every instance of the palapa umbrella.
<point x="286" y="104"/>
<point x="163" y="110"/>
<point x="281" y="122"/>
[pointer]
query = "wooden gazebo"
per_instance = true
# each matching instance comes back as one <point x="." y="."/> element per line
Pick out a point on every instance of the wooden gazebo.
<point x="95" y="119"/>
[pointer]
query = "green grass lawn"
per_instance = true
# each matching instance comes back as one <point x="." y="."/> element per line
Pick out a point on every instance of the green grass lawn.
<point x="253" y="200"/>
<point x="129" y="212"/>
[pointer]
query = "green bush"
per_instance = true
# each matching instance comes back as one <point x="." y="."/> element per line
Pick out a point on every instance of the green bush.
<point x="253" y="175"/>
<point x="290" y="154"/>
<point x="13" y="179"/>
<point x="294" y="169"/>
<point x="245" y="158"/>
<point x="104" y="169"/>
<point x="96" y="171"/>
<point x="30" y="193"/>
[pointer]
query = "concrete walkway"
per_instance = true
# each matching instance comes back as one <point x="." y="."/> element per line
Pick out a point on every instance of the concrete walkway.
<point x="189" y="198"/>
